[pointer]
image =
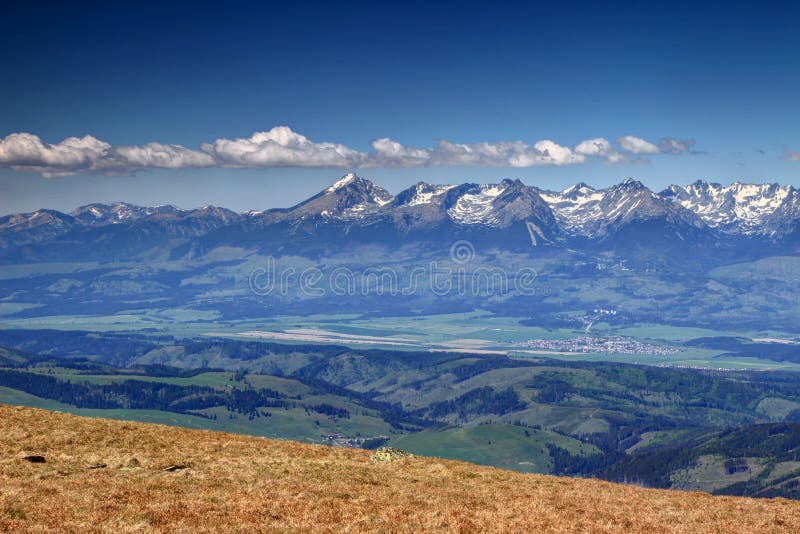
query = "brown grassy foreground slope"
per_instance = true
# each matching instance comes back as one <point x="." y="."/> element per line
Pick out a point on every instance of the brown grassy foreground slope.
<point x="240" y="483"/>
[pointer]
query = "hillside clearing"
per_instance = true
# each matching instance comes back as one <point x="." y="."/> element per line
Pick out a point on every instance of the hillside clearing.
<point x="160" y="478"/>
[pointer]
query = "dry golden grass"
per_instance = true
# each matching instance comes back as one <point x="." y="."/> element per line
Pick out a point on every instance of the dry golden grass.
<point x="244" y="484"/>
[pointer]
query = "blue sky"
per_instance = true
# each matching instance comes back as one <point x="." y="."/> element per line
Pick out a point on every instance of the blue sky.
<point x="145" y="77"/>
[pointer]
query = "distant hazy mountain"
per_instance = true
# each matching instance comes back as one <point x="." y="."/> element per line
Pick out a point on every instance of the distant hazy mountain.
<point x="118" y="212"/>
<point x="41" y="225"/>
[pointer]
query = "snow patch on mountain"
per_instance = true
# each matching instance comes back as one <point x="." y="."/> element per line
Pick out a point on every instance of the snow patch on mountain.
<point x="381" y="200"/>
<point x="575" y="208"/>
<point x="476" y="207"/>
<point x="426" y="193"/>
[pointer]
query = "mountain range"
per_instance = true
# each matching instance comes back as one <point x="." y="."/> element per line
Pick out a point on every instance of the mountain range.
<point x="353" y="209"/>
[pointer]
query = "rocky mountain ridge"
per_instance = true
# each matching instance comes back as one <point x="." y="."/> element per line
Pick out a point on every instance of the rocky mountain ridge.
<point x="355" y="206"/>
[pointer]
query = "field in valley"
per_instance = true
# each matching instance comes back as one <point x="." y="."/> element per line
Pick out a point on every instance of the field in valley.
<point x="474" y="331"/>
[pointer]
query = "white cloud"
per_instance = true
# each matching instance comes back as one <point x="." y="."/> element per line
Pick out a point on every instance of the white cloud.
<point x="594" y="147"/>
<point x="600" y="147"/>
<point x="547" y="152"/>
<point x="447" y="153"/>
<point x="637" y="145"/>
<point x="73" y="155"/>
<point x="163" y="156"/>
<point x="390" y="153"/>
<point x="24" y="151"/>
<point x="476" y="154"/>
<point x="668" y="145"/>
<point x="792" y="155"/>
<point x="501" y="154"/>
<point x="283" y="147"/>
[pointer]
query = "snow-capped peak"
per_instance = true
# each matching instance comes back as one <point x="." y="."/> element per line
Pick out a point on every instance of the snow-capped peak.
<point x="583" y="210"/>
<point x="371" y="193"/>
<point x="740" y="207"/>
<point x="631" y="183"/>
<point x="578" y="189"/>
<point x="349" y="198"/>
<point x="343" y="181"/>
<point x="575" y="207"/>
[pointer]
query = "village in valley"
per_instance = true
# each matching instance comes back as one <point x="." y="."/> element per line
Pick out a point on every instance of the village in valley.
<point x="596" y="344"/>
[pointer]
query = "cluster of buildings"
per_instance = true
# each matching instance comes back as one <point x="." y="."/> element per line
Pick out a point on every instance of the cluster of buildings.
<point x="595" y="344"/>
